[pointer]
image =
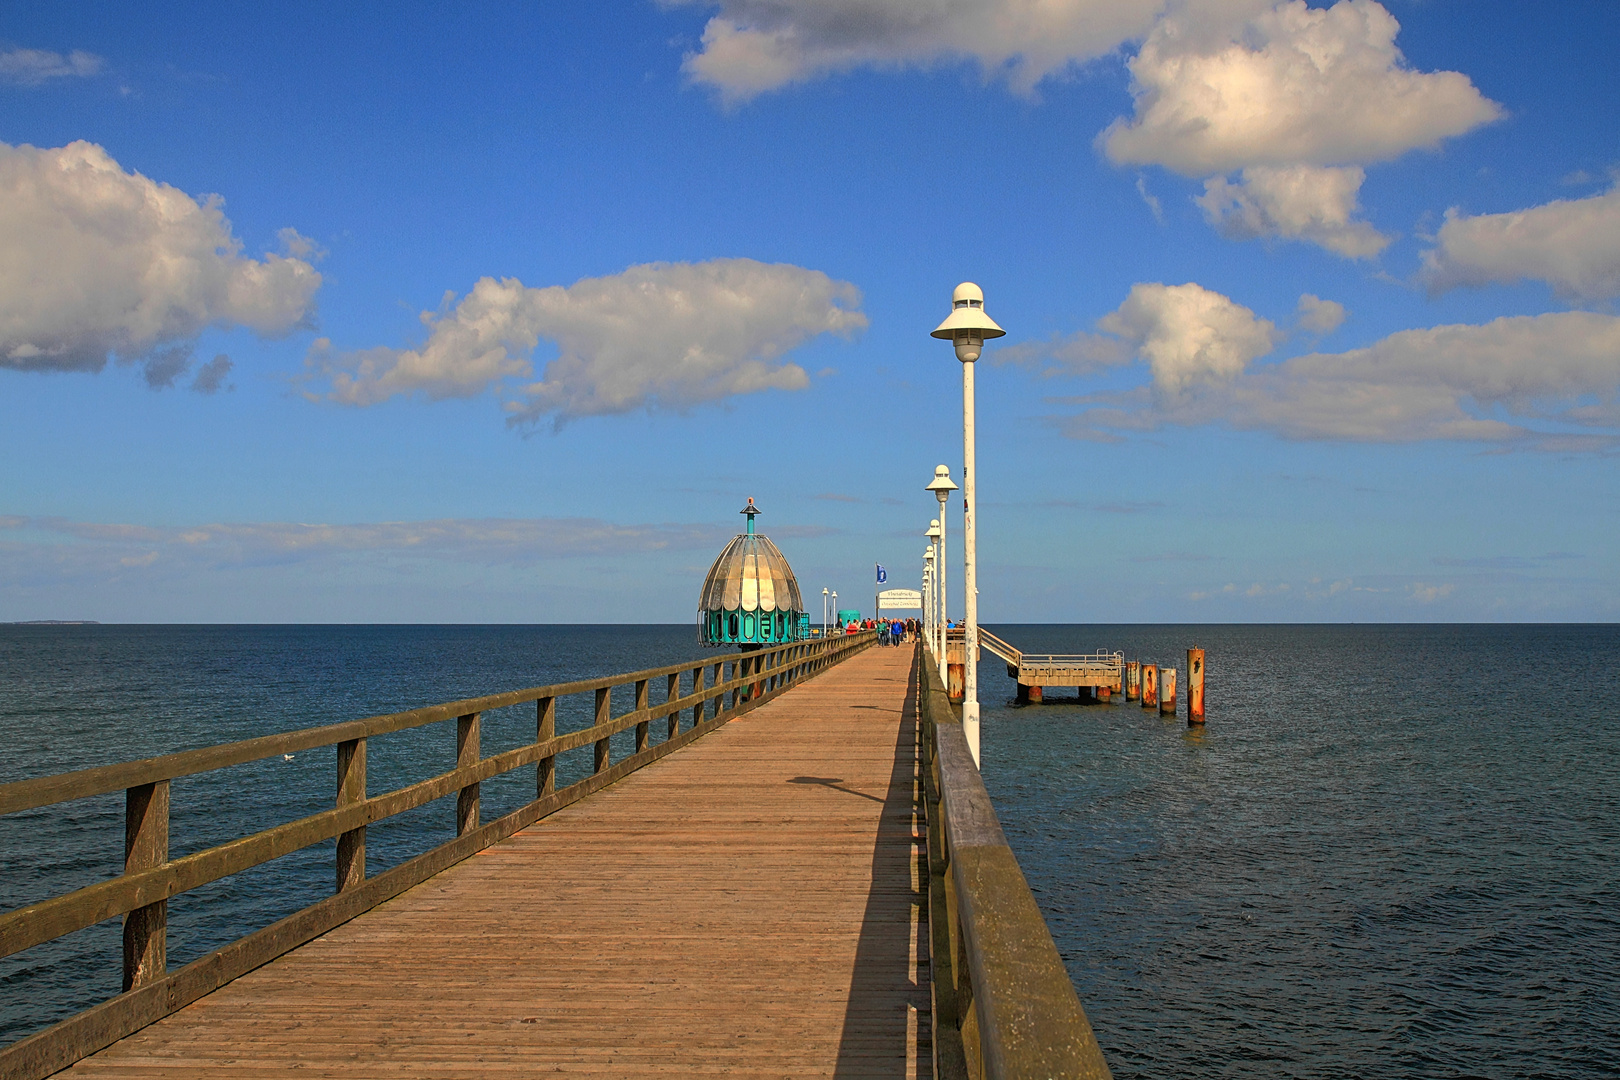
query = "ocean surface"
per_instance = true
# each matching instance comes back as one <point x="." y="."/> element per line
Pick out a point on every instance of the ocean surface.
<point x="1393" y="851"/>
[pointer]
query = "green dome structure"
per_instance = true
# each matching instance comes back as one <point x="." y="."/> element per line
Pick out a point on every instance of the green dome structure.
<point x="751" y="598"/>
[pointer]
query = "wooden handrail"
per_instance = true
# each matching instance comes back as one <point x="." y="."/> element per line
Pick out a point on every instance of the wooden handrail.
<point x="151" y="878"/>
<point x="1004" y="1006"/>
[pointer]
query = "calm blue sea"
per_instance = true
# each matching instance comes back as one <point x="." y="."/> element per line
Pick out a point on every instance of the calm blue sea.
<point x="1392" y="852"/>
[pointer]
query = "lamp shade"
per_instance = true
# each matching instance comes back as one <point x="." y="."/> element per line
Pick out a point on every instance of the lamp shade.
<point x="967" y="313"/>
<point x="942" y="481"/>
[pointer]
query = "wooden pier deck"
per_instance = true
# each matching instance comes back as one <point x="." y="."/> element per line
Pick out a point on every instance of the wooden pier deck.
<point x="751" y="906"/>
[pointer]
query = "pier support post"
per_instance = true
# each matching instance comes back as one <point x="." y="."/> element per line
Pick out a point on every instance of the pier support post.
<point x="1133" y="680"/>
<point x="1195" y="686"/>
<point x="604" y="709"/>
<point x="1167" y="692"/>
<point x="466" y="757"/>
<point x="351" y="788"/>
<point x="955" y="669"/>
<point x="1150" y="686"/>
<point x="146" y="844"/>
<point x="1022" y="694"/>
<point x="545" y="727"/>
<point x="1104" y="694"/>
<point x="1037" y="694"/>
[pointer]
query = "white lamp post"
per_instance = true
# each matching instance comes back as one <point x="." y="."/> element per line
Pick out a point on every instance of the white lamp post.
<point x="937" y="563"/>
<point x="942" y="485"/>
<point x="928" y="594"/>
<point x="968" y="327"/>
<point x="823" y="613"/>
<point x="835" y="611"/>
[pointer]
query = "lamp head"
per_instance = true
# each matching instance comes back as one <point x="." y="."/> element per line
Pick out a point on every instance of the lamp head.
<point x="942" y="484"/>
<point x="967" y="325"/>
<point x="928" y="555"/>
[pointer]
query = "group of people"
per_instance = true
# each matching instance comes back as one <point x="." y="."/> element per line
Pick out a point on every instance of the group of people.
<point x="890" y="631"/>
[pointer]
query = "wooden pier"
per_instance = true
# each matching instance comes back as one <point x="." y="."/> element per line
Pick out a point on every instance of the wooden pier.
<point x="1102" y="672"/>
<point x="814" y="886"/>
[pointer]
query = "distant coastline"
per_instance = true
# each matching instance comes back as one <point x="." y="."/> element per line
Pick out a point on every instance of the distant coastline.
<point x="54" y="622"/>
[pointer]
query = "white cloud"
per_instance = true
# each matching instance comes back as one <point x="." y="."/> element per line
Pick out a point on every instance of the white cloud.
<point x="660" y="335"/>
<point x="1571" y="244"/>
<point x="99" y="261"/>
<point x="30" y="67"/>
<point x="1548" y="382"/>
<point x="1295" y="85"/>
<point x="1189" y="335"/>
<point x="753" y="46"/>
<point x="1294" y="202"/>
<point x="1319" y="316"/>
<point x="1298" y="99"/>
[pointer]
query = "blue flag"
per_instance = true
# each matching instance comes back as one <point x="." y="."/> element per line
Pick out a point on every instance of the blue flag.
<point x="883" y="575"/>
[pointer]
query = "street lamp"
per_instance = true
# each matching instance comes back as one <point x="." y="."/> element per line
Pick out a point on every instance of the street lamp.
<point x="969" y="327"/>
<point x="824" y="613"/>
<point x="835" y="609"/>
<point x="942" y="485"/>
<point x="935" y="619"/>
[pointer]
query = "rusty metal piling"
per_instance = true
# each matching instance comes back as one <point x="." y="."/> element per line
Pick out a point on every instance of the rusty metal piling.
<point x="1195" y="686"/>
<point x="1167" y="692"/>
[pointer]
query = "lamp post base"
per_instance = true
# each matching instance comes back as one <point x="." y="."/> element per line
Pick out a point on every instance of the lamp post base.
<point x="970" y="727"/>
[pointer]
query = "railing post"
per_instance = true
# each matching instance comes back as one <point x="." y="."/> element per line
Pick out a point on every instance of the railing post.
<point x="545" y="727"/>
<point x="671" y="694"/>
<point x="604" y="707"/>
<point x="351" y="789"/>
<point x="698" y="684"/>
<point x="146" y="844"/>
<point x="642" y="740"/>
<point x="466" y="757"/>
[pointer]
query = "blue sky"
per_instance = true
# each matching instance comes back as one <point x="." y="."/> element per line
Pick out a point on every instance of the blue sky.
<point x="393" y="315"/>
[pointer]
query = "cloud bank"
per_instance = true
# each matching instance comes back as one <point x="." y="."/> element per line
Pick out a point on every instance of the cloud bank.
<point x="1571" y="244"/>
<point x="657" y="336"/>
<point x="1548" y="382"/>
<point x="477" y="540"/>
<point x="101" y="262"/>
<point x="754" y="46"/>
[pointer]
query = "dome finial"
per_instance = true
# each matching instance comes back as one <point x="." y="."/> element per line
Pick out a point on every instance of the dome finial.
<point x="750" y="510"/>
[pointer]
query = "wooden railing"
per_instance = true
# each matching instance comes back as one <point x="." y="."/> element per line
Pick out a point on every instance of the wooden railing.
<point x="1003" y="1004"/>
<point x="150" y="877"/>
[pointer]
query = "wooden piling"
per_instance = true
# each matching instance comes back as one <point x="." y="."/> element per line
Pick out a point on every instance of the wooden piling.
<point x="1150" y="686"/>
<point x="1195" y="685"/>
<point x="955" y="669"/>
<point x="1167" y="692"/>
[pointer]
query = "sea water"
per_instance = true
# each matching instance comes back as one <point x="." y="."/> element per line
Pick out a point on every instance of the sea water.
<point x="1392" y="851"/>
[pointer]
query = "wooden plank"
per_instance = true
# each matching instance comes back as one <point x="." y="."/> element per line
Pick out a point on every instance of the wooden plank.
<point x="748" y="908"/>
